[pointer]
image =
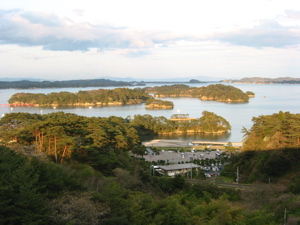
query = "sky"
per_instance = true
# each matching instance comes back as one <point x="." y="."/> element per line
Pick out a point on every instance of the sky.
<point x="157" y="39"/>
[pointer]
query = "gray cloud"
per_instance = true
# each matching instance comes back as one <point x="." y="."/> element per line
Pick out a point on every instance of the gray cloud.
<point x="269" y="33"/>
<point x="61" y="34"/>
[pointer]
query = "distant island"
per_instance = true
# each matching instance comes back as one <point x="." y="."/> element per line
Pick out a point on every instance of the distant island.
<point x="35" y="84"/>
<point x="260" y="80"/>
<point x="26" y="84"/>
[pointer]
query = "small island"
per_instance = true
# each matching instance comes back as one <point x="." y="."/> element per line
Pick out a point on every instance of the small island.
<point x="215" y="92"/>
<point x="153" y="103"/>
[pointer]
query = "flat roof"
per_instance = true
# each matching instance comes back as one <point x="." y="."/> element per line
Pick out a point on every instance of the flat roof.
<point x="179" y="166"/>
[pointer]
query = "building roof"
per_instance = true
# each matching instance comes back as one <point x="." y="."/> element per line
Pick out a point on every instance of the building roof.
<point x="179" y="166"/>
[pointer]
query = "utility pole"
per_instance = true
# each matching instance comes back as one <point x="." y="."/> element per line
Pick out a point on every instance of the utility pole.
<point x="284" y="217"/>
<point x="237" y="175"/>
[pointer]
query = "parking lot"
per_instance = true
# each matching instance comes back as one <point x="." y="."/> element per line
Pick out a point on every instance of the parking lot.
<point x="175" y="157"/>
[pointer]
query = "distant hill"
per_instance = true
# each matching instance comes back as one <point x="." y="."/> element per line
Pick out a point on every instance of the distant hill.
<point x="174" y="79"/>
<point x="26" y="84"/>
<point x="261" y="80"/>
<point x="18" y="79"/>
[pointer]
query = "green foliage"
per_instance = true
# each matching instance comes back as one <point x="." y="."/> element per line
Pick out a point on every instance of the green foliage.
<point x="263" y="165"/>
<point x="207" y="189"/>
<point x="95" y="181"/>
<point x="20" y="199"/>
<point x="63" y="136"/>
<point x="119" y="199"/>
<point x="25" y="184"/>
<point x="170" y="185"/>
<point x="280" y="130"/>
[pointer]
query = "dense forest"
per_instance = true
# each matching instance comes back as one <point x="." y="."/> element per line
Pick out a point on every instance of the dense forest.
<point x="280" y="130"/>
<point x="92" y="97"/>
<point x="62" y="168"/>
<point x="63" y="135"/>
<point x="26" y="84"/>
<point x="215" y="92"/>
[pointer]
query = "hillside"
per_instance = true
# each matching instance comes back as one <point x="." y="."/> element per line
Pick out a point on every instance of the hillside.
<point x="61" y="168"/>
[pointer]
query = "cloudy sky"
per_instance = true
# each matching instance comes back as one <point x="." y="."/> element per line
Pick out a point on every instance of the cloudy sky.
<point x="157" y="39"/>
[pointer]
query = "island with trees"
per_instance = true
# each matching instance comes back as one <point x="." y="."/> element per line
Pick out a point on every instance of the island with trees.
<point x="214" y="92"/>
<point x="208" y="123"/>
<point x="153" y="103"/>
<point x="101" y="97"/>
<point x="122" y="96"/>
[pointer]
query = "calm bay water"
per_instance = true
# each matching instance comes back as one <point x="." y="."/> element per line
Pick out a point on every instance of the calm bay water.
<point x="268" y="99"/>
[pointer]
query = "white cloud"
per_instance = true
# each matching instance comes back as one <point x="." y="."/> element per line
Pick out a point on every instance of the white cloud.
<point x="62" y="34"/>
<point x="157" y="38"/>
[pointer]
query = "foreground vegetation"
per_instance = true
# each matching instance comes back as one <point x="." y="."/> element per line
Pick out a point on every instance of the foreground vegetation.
<point x="280" y="130"/>
<point x="62" y="168"/>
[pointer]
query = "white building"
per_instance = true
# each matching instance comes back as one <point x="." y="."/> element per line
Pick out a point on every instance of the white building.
<point x="172" y="170"/>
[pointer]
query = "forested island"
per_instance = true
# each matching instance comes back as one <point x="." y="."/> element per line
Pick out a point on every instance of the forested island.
<point x="152" y="103"/>
<point x="117" y="96"/>
<point x="208" y="123"/>
<point x="61" y="168"/>
<point x="122" y="96"/>
<point x="215" y="92"/>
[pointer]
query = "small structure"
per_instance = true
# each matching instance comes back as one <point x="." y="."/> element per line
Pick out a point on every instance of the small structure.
<point x="175" y="169"/>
